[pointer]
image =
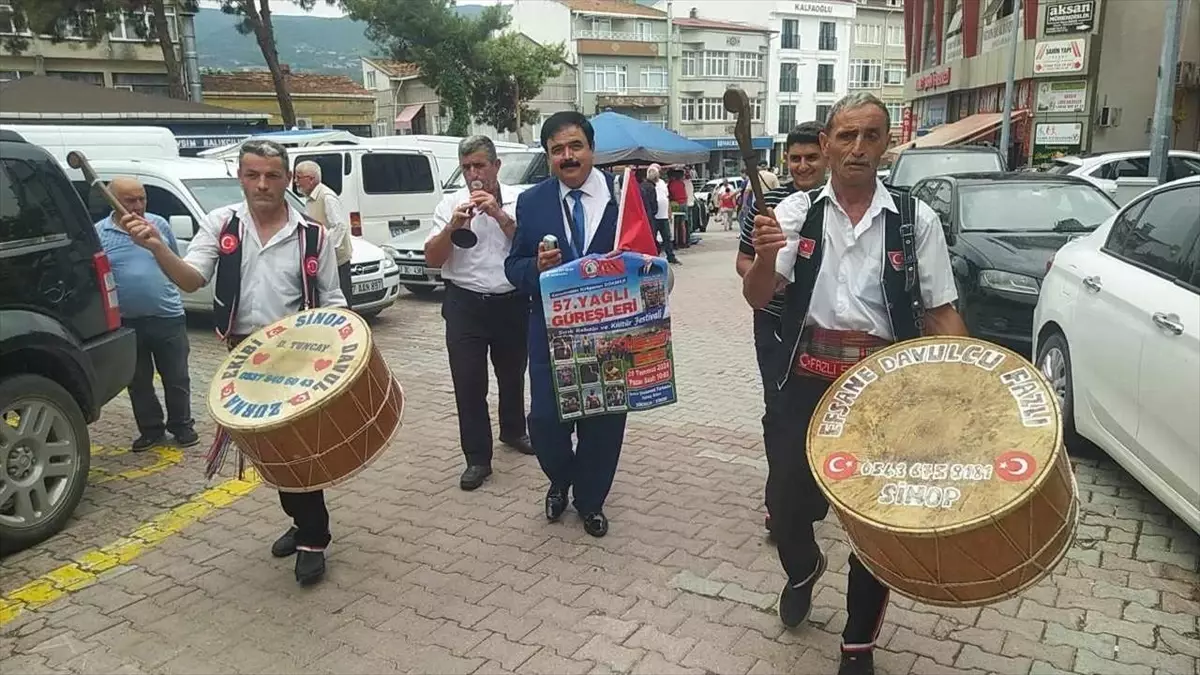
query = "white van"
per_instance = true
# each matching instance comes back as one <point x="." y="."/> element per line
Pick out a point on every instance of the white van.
<point x="444" y="148"/>
<point x="184" y="190"/>
<point x="387" y="191"/>
<point x="297" y="138"/>
<point x="98" y="142"/>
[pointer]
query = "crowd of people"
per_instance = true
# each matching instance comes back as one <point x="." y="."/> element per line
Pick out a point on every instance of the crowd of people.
<point x="810" y="258"/>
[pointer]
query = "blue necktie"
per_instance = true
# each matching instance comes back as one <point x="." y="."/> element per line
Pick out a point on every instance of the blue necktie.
<point x="578" y="228"/>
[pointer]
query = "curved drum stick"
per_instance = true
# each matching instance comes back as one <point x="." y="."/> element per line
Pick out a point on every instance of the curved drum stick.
<point x="77" y="160"/>
<point x="738" y="103"/>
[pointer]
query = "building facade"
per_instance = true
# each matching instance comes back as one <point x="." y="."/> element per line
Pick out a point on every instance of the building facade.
<point x="712" y="56"/>
<point x="877" y="56"/>
<point x="120" y="60"/>
<point x="1086" y="73"/>
<point x="808" y="60"/>
<point x="320" y="101"/>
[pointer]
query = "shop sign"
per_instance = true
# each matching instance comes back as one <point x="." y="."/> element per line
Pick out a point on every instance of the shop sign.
<point x="205" y="142"/>
<point x="952" y="50"/>
<point x="1051" y="141"/>
<point x="1059" y="56"/>
<point x="997" y="34"/>
<point x="938" y="78"/>
<point x="1062" y="96"/>
<point x="1069" y="17"/>
<point x="906" y="127"/>
<point x="814" y="8"/>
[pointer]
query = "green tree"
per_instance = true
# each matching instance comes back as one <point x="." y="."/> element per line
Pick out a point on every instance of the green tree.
<point x="92" y="20"/>
<point x="514" y="70"/>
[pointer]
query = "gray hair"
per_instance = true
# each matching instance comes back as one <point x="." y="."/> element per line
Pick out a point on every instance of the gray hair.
<point x="473" y="144"/>
<point x="264" y="148"/>
<point x="652" y="173"/>
<point x="858" y="99"/>
<point x="309" y="168"/>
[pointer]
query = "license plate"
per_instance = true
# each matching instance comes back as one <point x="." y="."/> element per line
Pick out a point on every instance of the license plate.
<point x="411" y="271"/>
<point x="396" y="229"/>
<point x="368" y="286"/>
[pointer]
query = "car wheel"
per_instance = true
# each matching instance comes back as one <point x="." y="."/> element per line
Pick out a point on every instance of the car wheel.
<point x="420" y="290"/>
<point x="1054" y="362"/>
<point x="45" y="453"/>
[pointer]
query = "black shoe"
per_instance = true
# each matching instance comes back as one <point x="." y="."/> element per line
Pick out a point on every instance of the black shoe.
<point x="675" y="261"/>
<point x="186" y="439"/>
<point x="857" y="663"/>
<point x="521" y="444"/>
<point x="595" y="524"/>
<point x="147" y="441"/>
<point x="795" y="600"/>
<point x="285" y="545"/>
<point x="556" y="503"/>
<point x="310" y="567"/>
<point x="474" y="476"/>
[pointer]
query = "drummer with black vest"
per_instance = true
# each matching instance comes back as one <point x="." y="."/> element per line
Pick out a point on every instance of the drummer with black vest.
<point x="861" y="268"/>
<point x="270" y="260"/>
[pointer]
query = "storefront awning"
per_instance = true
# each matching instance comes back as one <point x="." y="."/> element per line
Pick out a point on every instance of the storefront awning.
<point x="405" y="118"/>
<point x="956" y="133"/>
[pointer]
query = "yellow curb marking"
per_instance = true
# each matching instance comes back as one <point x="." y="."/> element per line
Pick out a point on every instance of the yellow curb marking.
<point x="165" y="458"/>
<point x="90" y="565"/>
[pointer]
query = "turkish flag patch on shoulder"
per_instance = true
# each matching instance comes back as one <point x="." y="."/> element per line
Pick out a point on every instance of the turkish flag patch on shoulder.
<point x="807" y="246"/>
<point x="897" y="259"/>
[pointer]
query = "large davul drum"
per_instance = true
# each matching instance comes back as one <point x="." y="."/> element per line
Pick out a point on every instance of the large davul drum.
<point x="944" y="460"/>
<point x="308" y="399"/>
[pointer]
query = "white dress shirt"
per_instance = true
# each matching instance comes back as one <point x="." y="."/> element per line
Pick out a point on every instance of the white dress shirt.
<point x="596" y="197"/>
<point x="481" y="267"/>
<point x="662" y="195"/>
<point x="848" y="293"/>
<point x="271" y="283"/>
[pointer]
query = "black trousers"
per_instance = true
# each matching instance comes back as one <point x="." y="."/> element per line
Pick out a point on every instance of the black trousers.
<point x="306" y="509"/>
<point x="767" y="347"/>
<point x="795" y="504"/>
<point x="662" y="226"/>
<point x="162" y="345"/>
<point x="476" y="325"/>
<point x="345" y="284"/>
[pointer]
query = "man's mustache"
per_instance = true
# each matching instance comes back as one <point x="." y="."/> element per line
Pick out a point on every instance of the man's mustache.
<point x="569" y="164"/>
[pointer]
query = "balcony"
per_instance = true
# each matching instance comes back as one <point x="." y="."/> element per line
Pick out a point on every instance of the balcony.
<point x="628" y="100"/>
<point x="616" y="35"/>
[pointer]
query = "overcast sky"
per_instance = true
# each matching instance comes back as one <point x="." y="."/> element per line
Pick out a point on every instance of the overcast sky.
<point x="322" y="8"/>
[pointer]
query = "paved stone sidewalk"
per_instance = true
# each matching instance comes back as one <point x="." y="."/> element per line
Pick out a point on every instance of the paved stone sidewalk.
<point x="425" y="578"/>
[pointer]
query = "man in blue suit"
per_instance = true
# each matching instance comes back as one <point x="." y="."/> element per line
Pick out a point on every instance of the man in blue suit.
<point x="579" y="208"/>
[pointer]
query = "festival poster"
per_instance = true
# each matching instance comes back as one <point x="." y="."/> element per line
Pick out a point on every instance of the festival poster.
<point x="609" y="329"/>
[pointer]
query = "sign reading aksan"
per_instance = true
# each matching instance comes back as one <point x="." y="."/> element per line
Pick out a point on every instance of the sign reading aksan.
<point x="1069" y="17"/>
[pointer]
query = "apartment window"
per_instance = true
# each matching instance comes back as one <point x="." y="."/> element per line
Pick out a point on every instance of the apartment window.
<point x="599" y="25"/>
<point x="893" y="3"/>
<point x="787" y="118"/>
<point x="790" y="37"/>
<point x="645" y="31"/>
<point x="894" y="74"/>
<point x="756" y="109"/>
<point x="825" y="84"/>
<point x="369" y="80"/>
<point x="688" y="64"/>
<point x="864" y="73"/>
<point x="90" y="78"/>
<point x="789" y="77"/>
<point x="896" y="113"/>
<point x="653" y="79"/>
<point x="867" y="33"/>
<point x="138" y="26"/>
<point x="155" y="84"/>
<point x="605" y="79"/>
<point x="657" y="120"/>
<point x="827" y="40"/>
<point x="823" y="113"/>
<point x="748" y="64"/>
<point x="954" y="20"/>
<point x="716" y="64"/>
<point x="895" y="36"/>
<point x="713" y="110"/>
<point x="687" y="109"/>
<point x="7" y="24"/>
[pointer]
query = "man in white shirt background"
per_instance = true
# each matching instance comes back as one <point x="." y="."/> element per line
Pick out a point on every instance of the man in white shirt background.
<point x="482" y="310"/>
<point x="260" y="275"/>
<point x="844" y="260"/>
<point x="662" y="213"/>
<point x="323" y="205"/>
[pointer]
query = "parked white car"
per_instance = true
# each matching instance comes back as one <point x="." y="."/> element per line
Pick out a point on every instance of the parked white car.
<point x="1117" y="333"/>
<point x="705" y="193"/>
<point x="1104" y="169"/>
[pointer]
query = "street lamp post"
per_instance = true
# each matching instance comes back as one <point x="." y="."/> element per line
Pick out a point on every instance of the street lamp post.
<point x="1160" y="129"/>
<point x="1006" y="125"/>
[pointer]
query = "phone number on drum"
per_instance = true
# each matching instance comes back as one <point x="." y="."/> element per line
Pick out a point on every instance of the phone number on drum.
<point x="926" y="471"/>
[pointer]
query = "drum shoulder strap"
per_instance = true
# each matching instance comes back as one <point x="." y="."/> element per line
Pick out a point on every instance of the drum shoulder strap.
<point x="908" y="245"/>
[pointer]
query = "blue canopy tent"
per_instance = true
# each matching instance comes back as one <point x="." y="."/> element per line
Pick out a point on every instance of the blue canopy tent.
<point x="621" y="139"/>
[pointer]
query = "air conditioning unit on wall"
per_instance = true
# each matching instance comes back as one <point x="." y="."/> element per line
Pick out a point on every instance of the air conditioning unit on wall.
<point x="1108" y="117"/>
<point x="304" y="123"/>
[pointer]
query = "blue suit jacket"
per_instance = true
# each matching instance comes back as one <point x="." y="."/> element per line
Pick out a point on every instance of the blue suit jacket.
<point x="539" y="213"/>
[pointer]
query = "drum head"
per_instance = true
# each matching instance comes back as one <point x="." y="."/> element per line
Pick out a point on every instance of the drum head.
<point x="290" y="368"/>
<point x="935" y="435"/>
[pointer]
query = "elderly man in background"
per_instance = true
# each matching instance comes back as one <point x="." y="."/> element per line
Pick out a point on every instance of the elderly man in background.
<point x="152" y="307"/>
<point x="662" y="213"/>
<point x="322" y="205"/>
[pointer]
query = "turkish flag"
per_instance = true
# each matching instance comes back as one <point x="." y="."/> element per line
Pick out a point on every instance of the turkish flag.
<point x="633" y="226"/>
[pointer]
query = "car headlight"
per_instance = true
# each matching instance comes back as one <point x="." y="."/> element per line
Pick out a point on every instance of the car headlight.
<point x="389" y="258"/>
<point x="1009" y="281"/>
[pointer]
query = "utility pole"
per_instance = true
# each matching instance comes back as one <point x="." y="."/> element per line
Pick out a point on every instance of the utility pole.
<point x="670" y="71"/>
<point x="1164" y="99"/>
<point x="517" y="107"/>
<point x="1006" y="124"/>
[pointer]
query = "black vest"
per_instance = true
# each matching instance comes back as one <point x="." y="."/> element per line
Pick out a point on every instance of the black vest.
<point x="227" y="288"/>
<point x="900" y="281"/>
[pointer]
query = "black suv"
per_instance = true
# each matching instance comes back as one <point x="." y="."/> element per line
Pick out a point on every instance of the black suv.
<point x="63" y="352"/>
